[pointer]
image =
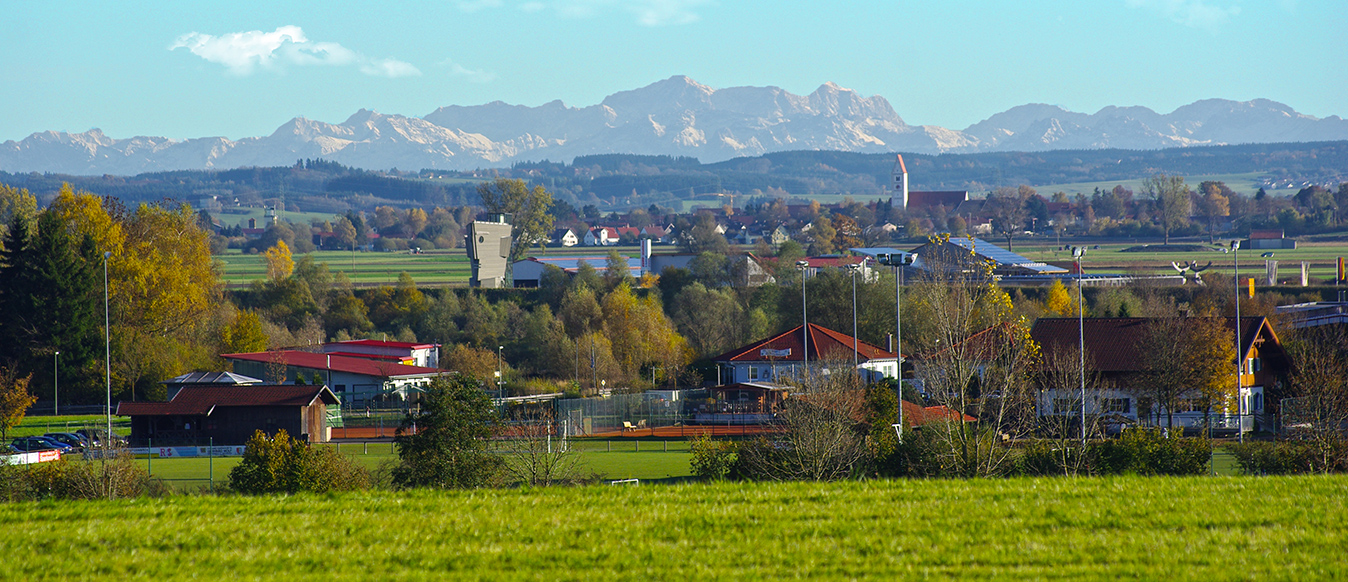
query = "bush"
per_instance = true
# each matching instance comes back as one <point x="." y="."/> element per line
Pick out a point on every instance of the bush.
<point x="286" y="465"/>
<point x="713" y="459"/>
<point x="119" y="477"/>
<point x="1146" y="452"/>
<point x="1289" y="458"/>
<point x="1050" y="457"/>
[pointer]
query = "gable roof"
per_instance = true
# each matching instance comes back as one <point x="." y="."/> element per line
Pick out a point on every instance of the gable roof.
<point x="203" y="400"/>
<point x="933" y="198"/>
<point x="1114" y="343"/>
<point x="350" y="365"/>
<point x="824" y="343"/>
<point x="382" y="344"/>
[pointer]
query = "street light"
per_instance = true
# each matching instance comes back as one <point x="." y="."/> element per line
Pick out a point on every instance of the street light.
<point x="804" y="320"/>
<point x="107" y="352"/>
<point x="1077" y="253"/>
<point x="856" y="360"/>
<point x="898" y="262"/>
<point x="1240" y="358"/>
<point x="500" y="381"/>
<point x="56" y="382"/>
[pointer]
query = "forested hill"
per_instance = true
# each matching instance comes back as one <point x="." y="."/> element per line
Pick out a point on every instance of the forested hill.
<point x="613" y="181"/>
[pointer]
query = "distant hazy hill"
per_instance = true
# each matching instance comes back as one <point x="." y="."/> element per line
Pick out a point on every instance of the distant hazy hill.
<point x="677" y="117"/>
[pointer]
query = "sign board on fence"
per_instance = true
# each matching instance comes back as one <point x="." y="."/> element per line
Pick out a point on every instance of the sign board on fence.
<point x="172" y="452"/>
<point x="30" y="458"/>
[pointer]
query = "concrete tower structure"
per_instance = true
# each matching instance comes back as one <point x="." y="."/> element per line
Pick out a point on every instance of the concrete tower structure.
<point x="489" y="252"/>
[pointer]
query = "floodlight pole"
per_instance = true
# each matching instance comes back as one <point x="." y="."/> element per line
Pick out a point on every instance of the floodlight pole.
<point x="804" y="319"/>
<point x="56" y="383"/>
<point x="1240" y="359"/>
<point x="107" y="353"/>
<point x="1077" y="252"/>
<point x="856" y="359"/>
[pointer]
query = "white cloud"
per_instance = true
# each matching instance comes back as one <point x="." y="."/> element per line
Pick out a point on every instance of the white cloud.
<point x="1191" y="13"/>
<point x="243" y="52"/>
<point x="478" y="76"/>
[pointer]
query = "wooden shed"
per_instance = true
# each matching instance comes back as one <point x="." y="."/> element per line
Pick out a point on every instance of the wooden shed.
<point x="230" y="415"/>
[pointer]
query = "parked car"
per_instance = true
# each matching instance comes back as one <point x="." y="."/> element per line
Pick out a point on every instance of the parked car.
<point x="75" y="441"/>
<point x="94" y="437"/>
<point x="34" y="443"/>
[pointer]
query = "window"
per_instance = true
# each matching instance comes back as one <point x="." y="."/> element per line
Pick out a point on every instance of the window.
<point x="753" y="372"/>
<point x="1119" y="405"/>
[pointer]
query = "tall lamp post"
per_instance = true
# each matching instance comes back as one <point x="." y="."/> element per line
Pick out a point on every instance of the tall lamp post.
<point x="804" y="318"/>
<point x="898" y="262"/>
<point x="1240" y="359"/>
<point x="854" y="268"/>
<point x="56" y="382"/>
<point x="1077" y="253"/>
<point x="500" y="380"/>
<point x="107" y="353"/>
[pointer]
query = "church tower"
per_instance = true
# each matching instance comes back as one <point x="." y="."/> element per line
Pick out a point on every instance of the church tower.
<point x="900" y="182"/>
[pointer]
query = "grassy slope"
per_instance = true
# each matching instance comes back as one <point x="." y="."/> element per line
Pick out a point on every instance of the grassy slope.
<point x="1173" y="528"/>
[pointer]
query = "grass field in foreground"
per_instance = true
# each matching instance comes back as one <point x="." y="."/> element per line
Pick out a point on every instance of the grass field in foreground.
<point x="1270" y="528"/>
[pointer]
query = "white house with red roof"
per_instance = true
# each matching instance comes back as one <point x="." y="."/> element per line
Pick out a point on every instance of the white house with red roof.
<point x="357" y="381"/>
<point x="783" y="356"/>
<point x="601" y="236"/>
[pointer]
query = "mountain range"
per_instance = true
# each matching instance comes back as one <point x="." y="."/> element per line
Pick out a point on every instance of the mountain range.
<point x="676" y="116"/>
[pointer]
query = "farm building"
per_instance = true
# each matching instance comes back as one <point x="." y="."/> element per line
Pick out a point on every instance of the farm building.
<point x="229" y="415"/>
<point x="1272" y="239"/>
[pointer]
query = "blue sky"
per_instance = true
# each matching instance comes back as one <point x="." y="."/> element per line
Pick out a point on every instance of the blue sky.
<point x="242" y="68"/>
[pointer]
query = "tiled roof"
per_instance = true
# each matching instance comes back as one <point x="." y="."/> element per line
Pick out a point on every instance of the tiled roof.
<point x="1114" y="343"/>
<point x="934" y="198"/>
<point x="202" y="400"/>
<point x="824" y="344"/>
<point x="915" y="415"/>
<point x="312" y="361"/>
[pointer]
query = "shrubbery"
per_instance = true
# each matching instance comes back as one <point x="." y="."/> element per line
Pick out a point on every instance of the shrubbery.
<point x="1289" y="457"/>
<point x="1140" y="451"/>
<point x="713" y="459"/>
<point x="286" y="465"/>
<point x="65" y="479"/>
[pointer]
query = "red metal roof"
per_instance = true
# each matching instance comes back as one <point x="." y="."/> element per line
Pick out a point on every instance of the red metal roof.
<point x="383" y="344"/>
<point x="1266" y="234"/>
<point x="202" y="400"/>
<point x="312" y="361"/>
<point x="824" y="344"/>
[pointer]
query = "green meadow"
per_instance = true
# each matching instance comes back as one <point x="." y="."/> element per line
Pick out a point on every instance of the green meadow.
<point x="1200" y="528"/>
<point x="367" y="269"/>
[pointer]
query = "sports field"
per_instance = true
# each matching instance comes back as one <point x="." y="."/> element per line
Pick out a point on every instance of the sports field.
<point x="604" y="459"/>
<point x="1111" y="257"/>
<point x="1273" y="528"/>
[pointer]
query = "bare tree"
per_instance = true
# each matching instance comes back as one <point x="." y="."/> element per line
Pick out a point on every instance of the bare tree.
<point x="1186" y="358"/>
<point x="1060" y="405"/>
<point x="1171" y="196"/>
<point x="977" y="359"/>
<point x="537" y="451"/>
<point x="823" y="438"/>
<point x="1318" y="413"/>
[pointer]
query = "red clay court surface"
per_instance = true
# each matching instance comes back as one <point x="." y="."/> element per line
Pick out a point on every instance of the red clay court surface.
<point x="372" y="432"/>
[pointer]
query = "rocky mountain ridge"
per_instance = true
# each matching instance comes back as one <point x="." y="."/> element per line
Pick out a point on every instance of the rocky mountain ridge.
<point x="676" y="116"/>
